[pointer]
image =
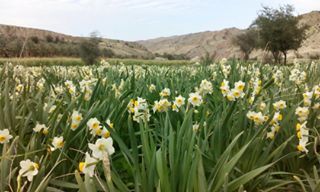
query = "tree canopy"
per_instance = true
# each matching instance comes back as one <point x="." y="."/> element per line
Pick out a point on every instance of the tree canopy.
<point x="279" y="31"/>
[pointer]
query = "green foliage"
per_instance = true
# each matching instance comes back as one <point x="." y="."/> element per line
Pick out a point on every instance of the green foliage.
<point x="228" y="152"/>
<point x="247" y="41"/>
<point x="89" y="50"/>
<point x="207" y="59"/>
<point x="279" y="31"/>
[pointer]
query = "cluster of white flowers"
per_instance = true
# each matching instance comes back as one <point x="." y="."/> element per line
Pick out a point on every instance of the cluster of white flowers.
<point x="256" y="86"/>
<point x="278" y="77"/>
<point x="303" y="136"/>
<point x="205" y="87"/>
<point x="162" y="105"/>
<point x="70" y="87"/>
<point x="235" y="93"/>
<point x="298" y="76"/>
<point x="165" y="92"/>
<point x="101" y="149"/>
<point x="257" y="117"/>
<point x="139" y="109"/>
<point x="76" y="118"/>
<point x="41" y="128"/>
<point x="279" y="105"/>
<point x="86" y="87"/>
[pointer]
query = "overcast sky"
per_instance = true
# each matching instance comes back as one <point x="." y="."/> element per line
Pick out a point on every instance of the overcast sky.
<point x="138" y="19"/>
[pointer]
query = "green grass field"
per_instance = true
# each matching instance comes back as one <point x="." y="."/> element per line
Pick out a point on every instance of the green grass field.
<point x="66" y="61"/>
<point x="159" y="126"/>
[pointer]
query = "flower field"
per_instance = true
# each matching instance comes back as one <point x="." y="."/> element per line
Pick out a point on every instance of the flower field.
<point x="229" y="126"/>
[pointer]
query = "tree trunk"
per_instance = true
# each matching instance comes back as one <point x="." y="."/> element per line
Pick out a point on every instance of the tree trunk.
<point x="246" y="56"/>
<point x="276" y="57"/>
<point x="285" y="57"/>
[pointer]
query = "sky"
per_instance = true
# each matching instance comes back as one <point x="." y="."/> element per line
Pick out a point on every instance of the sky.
<point x="138" y="19"/>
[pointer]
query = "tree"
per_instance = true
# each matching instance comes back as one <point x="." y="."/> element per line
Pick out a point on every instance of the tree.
<point x="247" y="41"/>
<point x="89" y="50"/>
<point x="279" y="31"/>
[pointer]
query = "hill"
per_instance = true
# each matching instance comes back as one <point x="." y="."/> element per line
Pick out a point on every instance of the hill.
<point x="219" y="43"/>
<point x="16" y="41"/>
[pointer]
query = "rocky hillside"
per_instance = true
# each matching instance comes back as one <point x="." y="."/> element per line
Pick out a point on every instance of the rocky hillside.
<point x="43" y="39"/>
<point x="219" y="43"/>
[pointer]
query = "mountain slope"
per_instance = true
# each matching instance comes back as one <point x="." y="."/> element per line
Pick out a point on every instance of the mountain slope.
<point x="43" y="38"/>
<point x="219" y="43"/>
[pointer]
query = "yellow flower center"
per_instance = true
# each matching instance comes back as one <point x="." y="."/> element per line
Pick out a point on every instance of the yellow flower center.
<point x="300" y="148"/>
<point x="194" y="99"/>
<point x="299" y="134"/>
<point x="240" y="87"/>
<point x="45" y="131"/>
<point x="33" y="167"/>
<point x="2" y="138"/>
<point x="106" y="135"/>
<point x="78" y="118"/>
<point x="82" y="166"/>
<point x="95" y="125"/>
<point x="60" y="144"/>
<point x="74" y="126"/>
<point x="36" y="165"/>
<point x="101" y="147"/>
<point x="298" y="126"/>
<point x="236" y="94"/>
<point x="98" y="131"/>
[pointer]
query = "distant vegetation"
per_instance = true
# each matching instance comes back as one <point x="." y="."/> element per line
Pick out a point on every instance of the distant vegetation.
<point x="276" y="31"/>
<point x="172" y="56"/>
<point x="89" y="50"/>
<point x="13" y="46"/>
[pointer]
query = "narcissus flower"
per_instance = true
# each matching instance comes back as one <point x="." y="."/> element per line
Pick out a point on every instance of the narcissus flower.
<point x="28" y="169"/>
<point x="179" y="101"/>
<point x="165" y="92"/>
<point x="161" y="106"/>
<point x="5" y="136"/>
<point x="302" y="113"/>
<point x="101" y="147"/>
<point x="258" y="118"/>
<point x="225" y="89"/>
<point x="88" y="166"/>
<point x="57" y="143"/>
<point x="205" y="87"/>
<point x="239" y="86"/>
<point x="139" y="109"/>
<point x="93" y="124"/>
<point x="109" y="123"/>
<point x="303" y="136"/>
<point x="41" y="127"/>
<point x="279" y="105"/>
<point x="302" y="146"/>
<point x="195" y="99"/>
<point x="152" y="88"/>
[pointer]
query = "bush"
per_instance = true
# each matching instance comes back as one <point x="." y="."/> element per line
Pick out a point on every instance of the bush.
<point x="89" y="50"/>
